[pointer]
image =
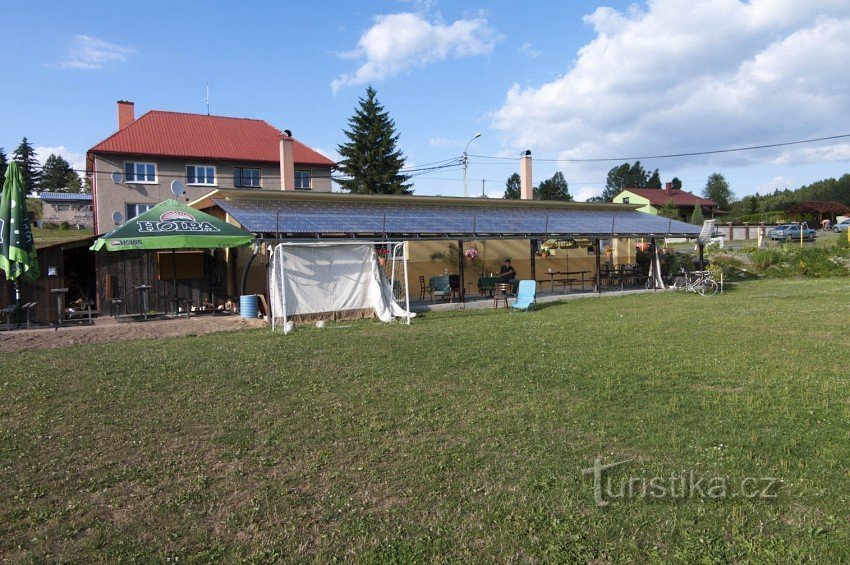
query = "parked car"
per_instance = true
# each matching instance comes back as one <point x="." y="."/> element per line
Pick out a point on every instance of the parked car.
<point x="790" y="232"/>
<point x="841" y="226"/>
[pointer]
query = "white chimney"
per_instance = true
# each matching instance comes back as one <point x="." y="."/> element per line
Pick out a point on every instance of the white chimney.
<point x="526" y="186"/>
<point x="287" y="162"/>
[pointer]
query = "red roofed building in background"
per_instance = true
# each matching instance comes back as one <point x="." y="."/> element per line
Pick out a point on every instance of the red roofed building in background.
<point x="133" y="169"/>
<point x="651" y="199"/>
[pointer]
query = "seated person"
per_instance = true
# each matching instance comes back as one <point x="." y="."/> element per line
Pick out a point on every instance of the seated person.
<point x="507" y="274"/>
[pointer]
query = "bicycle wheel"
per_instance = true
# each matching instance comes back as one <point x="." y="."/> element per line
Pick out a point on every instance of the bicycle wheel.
<point x="711" y="287"/>
<point x="699" y="286"/>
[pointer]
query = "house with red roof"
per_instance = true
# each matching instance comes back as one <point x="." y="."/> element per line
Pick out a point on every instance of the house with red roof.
<point x="652" y="199"/>
<point x="134" y="168"/>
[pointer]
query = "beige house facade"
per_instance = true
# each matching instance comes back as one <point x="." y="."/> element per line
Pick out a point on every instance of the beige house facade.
<point x="150" y="158"/>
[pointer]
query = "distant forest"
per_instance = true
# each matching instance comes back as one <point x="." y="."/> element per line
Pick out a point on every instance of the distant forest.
<point x="770" y="206"/>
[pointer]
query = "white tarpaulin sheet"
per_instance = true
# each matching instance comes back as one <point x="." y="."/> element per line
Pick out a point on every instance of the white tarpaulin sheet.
<point x="329" y="277"/>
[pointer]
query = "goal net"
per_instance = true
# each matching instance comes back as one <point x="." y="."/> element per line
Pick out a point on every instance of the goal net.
<point x="338" y="281"/>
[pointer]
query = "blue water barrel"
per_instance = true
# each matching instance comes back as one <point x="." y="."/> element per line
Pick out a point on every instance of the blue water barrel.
<point x="248" y="305"/>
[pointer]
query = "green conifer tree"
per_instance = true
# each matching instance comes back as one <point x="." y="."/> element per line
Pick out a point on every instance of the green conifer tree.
<point x="370" y="159"/>
<point x="24" y="156"/>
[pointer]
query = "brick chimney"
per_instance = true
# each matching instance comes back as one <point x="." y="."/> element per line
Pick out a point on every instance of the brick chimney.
<point x="526" y="191"/>
<point x="287" y="162"/>
<point x="668" y="188"/>
<point x="126" y="113"/>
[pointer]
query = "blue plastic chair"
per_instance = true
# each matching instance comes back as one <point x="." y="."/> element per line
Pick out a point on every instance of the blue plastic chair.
<point x="526" y="295"/>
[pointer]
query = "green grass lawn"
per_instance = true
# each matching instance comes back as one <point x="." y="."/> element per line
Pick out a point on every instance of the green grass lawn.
<point x="461" y="437"/>
<point x="45" y="237"/>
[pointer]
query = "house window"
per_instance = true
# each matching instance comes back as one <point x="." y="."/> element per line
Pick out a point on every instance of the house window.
<point x="140" y="172"/>
<point x="200" y="174"/>
<point x="302" y="180"/>
<point x="62" y="207"/>
<point x="625" y="200"/>
<point x="134" y="210"/>
<point x="246" y="178"/>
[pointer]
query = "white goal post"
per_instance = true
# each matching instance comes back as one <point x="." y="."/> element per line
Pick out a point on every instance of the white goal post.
<point x="320" y="277"/>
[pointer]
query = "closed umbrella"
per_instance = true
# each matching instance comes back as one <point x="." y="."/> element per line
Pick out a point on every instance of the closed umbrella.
<point x="17" y="247"/>
<point x="173" y="225"/>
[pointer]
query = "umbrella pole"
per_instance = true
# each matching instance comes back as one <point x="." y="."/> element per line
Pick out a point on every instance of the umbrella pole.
<point x="174" y="281"/>
<point x="18" y="301"/>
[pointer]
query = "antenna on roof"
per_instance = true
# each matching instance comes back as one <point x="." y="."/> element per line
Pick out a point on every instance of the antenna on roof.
<point x="208" y="99"/>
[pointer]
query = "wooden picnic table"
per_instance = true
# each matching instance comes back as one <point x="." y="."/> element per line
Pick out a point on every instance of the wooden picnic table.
<point x="566" y="279"/>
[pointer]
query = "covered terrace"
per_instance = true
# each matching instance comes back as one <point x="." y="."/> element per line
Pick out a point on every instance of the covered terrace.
<point x="580" y="239"/>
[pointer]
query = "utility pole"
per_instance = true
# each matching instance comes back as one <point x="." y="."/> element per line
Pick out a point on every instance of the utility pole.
<point x="466" y="161"/>
<point x="483" y="194"/>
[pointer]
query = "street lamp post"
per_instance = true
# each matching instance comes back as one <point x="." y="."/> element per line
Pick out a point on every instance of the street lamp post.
<point x="466" y="161"/>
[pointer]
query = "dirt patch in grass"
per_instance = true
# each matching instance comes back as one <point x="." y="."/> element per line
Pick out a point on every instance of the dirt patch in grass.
<point x="108" y="330"/>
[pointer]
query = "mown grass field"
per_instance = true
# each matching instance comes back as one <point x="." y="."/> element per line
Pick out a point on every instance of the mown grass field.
<point x="459" y="438"/>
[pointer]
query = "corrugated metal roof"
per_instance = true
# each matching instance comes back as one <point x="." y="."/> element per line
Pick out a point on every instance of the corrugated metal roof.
<point x="323" y="219"/>
<point x="48" y="195"/>
<point x="679" y="197"/>
<point x="175" y="134"/>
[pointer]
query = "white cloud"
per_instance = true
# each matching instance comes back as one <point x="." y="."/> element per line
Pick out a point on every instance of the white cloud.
<point x="77" y="160"/>
<point x="398" y="42"/>
<point x="685" y="75"/>
<point x="776" y="183"/>
<point x="583" y="193"/>
<point x="528" y="49"/>
<point x="92" y="53"/>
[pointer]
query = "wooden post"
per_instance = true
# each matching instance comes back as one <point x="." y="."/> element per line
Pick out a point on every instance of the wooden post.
<point x="462" y="290"/>
<point x="598" y="268"/>
<point x="746" y="230"/>
<point x="701" y="256"/>
<point x="731" y="232"/>
<point x="533" y="259"/>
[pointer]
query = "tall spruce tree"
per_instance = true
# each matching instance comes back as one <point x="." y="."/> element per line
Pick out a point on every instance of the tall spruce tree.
<point x="370" y="157"/>
<point x="513" y="187"/>
<point x="57" y="175"/>
<point x="555" y="188"/>
<point x="24" y="156"/>
<point x="654" y="180"/>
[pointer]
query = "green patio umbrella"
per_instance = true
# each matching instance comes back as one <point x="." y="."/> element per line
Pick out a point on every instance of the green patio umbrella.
<point x="172" y="225"/>
<point x="17" y="247"/>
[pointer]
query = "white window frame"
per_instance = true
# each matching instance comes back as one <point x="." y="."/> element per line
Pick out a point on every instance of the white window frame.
<point x="135" y="164"/>
<point x="242" y="177"/>
<point x="309" y="177"/>
<point x="205" y="166"/>
<point x="127" y="208"/>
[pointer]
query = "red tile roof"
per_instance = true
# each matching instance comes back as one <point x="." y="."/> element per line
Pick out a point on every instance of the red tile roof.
<point x="175" y="134"/>
<point x="680" y="197"/>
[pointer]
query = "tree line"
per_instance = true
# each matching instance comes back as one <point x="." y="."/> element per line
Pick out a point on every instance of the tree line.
<point x="55" y="175"/>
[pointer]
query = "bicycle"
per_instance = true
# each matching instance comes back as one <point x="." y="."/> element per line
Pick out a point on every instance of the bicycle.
<point x="699" y="282"/>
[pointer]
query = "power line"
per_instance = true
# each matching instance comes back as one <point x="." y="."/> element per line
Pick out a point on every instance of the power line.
<point x="674" y="155"/>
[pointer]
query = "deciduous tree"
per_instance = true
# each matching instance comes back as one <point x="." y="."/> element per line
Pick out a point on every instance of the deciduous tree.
<point x="717" y="189"/>
<point x="555" y="188"/>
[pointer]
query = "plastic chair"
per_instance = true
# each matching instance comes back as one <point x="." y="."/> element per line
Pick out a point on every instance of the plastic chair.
<point x="526" y="296"/>
<point x="440" y="287"/>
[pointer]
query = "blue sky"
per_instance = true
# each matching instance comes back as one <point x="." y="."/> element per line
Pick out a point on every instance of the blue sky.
<point x="564" y="79"/>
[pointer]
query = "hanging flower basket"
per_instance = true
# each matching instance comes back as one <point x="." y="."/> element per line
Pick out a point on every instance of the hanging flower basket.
<point x="471" y="254"/>
<point x="643" y="246"/>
